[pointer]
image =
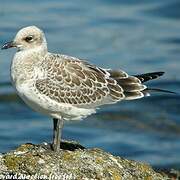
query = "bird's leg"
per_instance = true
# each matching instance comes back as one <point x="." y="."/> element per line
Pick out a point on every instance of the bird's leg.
<point x="57" y="131"/>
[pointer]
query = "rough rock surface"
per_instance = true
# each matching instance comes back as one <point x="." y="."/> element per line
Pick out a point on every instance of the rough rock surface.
<point x="73" y="162"/>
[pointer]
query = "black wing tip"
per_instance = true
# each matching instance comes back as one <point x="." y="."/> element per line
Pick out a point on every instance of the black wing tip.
<point x="149" y="76"/>
<point x="162" y="90"/>
<point x="160" y="73"/>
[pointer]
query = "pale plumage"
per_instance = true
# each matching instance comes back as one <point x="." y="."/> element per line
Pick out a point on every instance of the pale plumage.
<point x="64" y="87"/>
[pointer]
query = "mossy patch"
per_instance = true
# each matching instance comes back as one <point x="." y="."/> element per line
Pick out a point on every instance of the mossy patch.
<point x="21" y="163"/>
<point x="25" y="147"/>
<point x="12" y="162"/>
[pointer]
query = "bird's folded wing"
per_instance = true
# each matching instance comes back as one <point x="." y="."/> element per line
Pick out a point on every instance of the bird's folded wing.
<point x="76" y="82"/>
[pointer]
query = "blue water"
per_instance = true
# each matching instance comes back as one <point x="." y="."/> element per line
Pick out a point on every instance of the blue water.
<point x="137" y="36"/>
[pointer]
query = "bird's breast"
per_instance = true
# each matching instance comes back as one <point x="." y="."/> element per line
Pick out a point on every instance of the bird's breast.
<point x="25" y="67"/>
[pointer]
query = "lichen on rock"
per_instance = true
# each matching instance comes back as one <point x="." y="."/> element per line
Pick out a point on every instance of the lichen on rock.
<point x="73" y="161"/>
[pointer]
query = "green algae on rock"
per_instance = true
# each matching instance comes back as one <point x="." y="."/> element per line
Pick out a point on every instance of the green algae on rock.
<point x="72" y="162"/>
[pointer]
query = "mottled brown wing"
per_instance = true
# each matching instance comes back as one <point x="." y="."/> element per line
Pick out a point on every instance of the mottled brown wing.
<point x="75" y="82"/>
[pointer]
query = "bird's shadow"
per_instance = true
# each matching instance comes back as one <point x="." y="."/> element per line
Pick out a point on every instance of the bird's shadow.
<point x="65" y="145"/>
<point x="71" y="146"/>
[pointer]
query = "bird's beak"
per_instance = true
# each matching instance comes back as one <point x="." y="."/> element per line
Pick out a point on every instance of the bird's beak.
<point x="8" y="45"/>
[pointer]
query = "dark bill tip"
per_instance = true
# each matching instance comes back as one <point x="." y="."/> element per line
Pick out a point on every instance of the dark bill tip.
<point x="8" y="45"/>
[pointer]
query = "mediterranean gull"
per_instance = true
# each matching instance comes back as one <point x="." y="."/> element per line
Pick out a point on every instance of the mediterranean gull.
<point x="65" y="87"/>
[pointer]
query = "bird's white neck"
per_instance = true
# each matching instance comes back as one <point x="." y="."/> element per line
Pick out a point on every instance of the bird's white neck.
<point x="25" y="61"/>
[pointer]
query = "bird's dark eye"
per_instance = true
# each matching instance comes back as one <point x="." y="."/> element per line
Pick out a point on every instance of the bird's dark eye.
<point x="28" y="39"/>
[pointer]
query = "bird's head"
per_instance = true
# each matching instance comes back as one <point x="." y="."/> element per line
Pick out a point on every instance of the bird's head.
<point x="27" y="38"/>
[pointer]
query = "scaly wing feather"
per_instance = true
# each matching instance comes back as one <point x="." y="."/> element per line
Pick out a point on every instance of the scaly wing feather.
<point x="78" y="83"/>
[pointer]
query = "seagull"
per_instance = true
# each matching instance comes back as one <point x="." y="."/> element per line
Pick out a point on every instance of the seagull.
<point x="64" y="87"/>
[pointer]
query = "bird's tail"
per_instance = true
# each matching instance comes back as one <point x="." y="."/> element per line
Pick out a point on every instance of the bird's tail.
<point x="133" y="86"/>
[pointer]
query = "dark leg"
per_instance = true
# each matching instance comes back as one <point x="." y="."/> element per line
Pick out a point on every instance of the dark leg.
<point x="57" y="131"/>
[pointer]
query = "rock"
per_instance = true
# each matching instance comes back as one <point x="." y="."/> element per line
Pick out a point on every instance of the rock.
<point x="31" y="161"/>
